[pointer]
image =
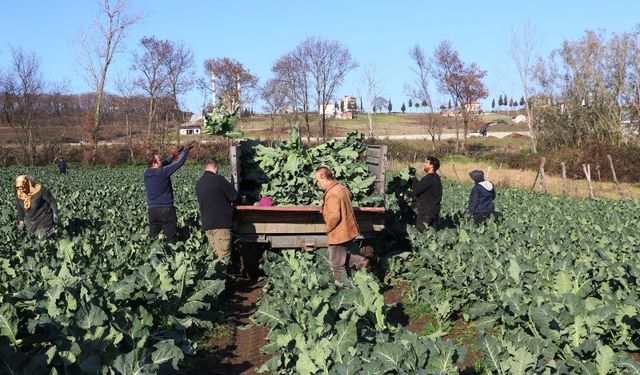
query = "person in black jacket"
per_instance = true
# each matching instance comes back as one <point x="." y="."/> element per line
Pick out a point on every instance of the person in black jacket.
<point x="62" y="165"/>
<point x="215" y="198"/>
<point x="428" y="196"/>
<point x="481" y="199"/>
<point x="37" y="209"/>
<point x="157" y="181"/>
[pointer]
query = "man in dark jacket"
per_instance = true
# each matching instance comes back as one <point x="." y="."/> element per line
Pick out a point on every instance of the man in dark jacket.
<point x="481" y="198"/>
<point x="428" y="196"/>
<point x="157" y="181"/>
<point x="37" y="209"/>
<point x="215" y="198"/>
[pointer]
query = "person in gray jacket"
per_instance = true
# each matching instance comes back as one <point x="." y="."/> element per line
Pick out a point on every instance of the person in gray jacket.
<point x="481" y="199"/>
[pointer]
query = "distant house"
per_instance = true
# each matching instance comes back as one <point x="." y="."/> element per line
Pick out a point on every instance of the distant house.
<point x="448" y="112"/>
<point x="518" y="119"/>
<point x="344" y="109"/>
<point x="329" y="111"/>
<point x="192" y="129"/>
<point x="472" y="107"/>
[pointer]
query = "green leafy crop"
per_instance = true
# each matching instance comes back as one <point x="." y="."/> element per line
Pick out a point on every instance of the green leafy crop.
<point x="102" y="297"/>
<point x="219" y="122"/>
<point x="286" y="172"/>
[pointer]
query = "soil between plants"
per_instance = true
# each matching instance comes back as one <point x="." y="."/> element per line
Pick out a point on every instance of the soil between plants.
<point x="238" y="351"/>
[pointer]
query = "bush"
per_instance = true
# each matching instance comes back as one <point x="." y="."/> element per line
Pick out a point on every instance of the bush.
<point x="625" y="161"/>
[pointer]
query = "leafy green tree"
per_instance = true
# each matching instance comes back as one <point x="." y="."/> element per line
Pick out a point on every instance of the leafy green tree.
<point x="500" y="102"/>
<point x="403" y="108"/>
<point x="389" y="106"/>
<point x="424" y="103"/>
<point x="410" y="103"/>
<point x="342" y="106"/>
<point x="361" y="106"/>
<point x="417" y="105"/>
<point x="493" y="104"/>
<point x="522" y="102"/>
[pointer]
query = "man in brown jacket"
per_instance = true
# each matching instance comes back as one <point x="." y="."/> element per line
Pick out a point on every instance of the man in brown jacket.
<point x="342" y="227"/>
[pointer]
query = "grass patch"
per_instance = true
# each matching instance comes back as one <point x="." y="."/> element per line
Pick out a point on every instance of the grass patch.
<point x="211" y="339"/>
<point x="418" y="310"/>
<point x="460" y="159"/>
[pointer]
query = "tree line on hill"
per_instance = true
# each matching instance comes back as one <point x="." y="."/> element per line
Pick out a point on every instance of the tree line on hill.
<point x="585" y="90"/>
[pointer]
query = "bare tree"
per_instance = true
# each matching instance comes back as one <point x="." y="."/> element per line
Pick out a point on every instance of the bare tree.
<point x="23" y="89"/>
<point x="292" y="70"/>
<point x="126" y="88"/>
<point x="97" y="49"/>
<point x="329" y="62"/>
<point x="180" y="75"/>
<point x="524" y="53"/>
<point x="275" y="95"/>
<point x="153" y="67"/>
<point x="461" y="81"/>
<point x="419" y="89"/>
<point x="372" y="88"/>
<point x="234" y="84"/>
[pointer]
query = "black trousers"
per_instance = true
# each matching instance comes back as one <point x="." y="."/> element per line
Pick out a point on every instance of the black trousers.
<point x="480" y="217"/>
<point x="425" y="221"/>
<point x="165" y="219"/>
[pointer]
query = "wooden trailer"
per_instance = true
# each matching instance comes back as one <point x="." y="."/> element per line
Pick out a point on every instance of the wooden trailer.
<point x="302" y="226"/>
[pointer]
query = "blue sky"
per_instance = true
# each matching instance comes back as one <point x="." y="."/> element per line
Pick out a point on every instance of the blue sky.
<point x="256" y="33"/>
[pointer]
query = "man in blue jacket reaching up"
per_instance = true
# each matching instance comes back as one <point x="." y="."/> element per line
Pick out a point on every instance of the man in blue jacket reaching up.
<point x="157" y="181"/>
<point x="481" y="198"/>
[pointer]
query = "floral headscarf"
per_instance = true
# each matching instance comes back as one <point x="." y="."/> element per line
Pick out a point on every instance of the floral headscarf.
<point x="24" y="181"/>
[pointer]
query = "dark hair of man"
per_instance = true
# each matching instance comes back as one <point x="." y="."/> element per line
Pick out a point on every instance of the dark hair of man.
<point x="151" y="158"/>
<point x="324" y="171"/>
<point x="211" y="161"/>
<point x="434" y="161"/>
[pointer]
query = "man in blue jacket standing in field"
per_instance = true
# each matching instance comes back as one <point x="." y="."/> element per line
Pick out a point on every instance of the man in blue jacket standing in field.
<point x="157" y="181"/>
<point x="481" y="198"/>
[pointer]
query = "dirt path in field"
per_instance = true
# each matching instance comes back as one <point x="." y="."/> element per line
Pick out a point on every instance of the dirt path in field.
<point x="246" y="357"/>
<point x="237" y="351"/>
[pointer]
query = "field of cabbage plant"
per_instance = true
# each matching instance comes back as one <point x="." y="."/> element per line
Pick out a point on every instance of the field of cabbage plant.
<point x="102" y="297"/>
<point x="550" y="287"/>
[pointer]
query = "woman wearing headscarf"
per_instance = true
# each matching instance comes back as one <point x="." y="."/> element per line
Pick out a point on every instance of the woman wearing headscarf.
<point x="37" y="209"/>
